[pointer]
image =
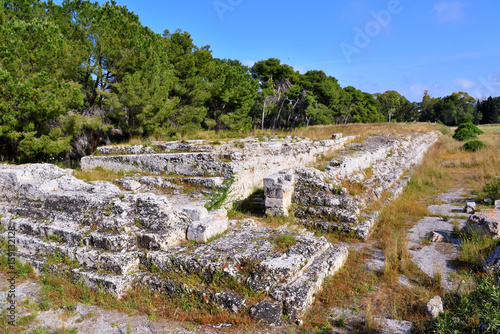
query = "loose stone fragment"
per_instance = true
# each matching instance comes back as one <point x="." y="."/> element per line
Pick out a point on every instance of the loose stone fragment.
<point x="470" y="207"/>
<point x="208" y="227"/>
<point x="435" y="306"/>
<point x="486" y="220"/>
<point x="436" y="237"/>
<point x="492" y="262"/>
<point x="128" y="184"/>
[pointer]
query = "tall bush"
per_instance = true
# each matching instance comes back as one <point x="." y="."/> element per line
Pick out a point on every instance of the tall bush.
<point x="466" y="131"/>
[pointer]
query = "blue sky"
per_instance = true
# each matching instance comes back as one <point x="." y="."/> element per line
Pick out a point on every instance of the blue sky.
<point x="405" y="45"/>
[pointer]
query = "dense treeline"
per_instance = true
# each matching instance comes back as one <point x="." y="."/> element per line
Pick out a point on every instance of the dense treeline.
<point x="80" y="74"/>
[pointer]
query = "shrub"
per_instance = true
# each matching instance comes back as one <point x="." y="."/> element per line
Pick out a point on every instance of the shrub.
<point x="473" y="145"/>
<point x="466" y="131"/>
<point x="471" y="127"/>
<point x="473" y="312"/>
<point x="493" y="189"/>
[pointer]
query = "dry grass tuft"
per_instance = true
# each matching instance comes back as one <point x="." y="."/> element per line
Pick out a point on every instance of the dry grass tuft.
<point x="437" y="279"/>
<point x="101" y="174"/>
<point x="370" y="323"/>
<point x="322" y="132"/>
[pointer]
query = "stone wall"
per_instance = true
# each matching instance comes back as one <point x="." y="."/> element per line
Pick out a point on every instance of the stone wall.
<point x="116" y="239"/>
<point x="135" y="231"/>
<point x="248" y="160"/>
<point x="321" y="199"/>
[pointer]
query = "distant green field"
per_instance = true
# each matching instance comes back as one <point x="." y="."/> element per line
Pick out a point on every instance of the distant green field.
<point x="490" y="128"/>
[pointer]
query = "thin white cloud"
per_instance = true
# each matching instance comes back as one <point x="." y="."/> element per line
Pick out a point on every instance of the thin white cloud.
<point x="464" y="84"/>
<point x="449" y="11"/>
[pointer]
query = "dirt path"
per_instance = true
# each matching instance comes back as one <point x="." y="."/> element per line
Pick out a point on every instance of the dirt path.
<point x="436" y="257"/>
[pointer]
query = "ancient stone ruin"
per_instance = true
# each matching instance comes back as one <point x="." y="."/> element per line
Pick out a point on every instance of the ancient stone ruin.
<point x="151" y="227"/>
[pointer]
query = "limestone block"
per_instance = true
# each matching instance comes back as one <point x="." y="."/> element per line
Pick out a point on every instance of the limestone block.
<point x="87" y="257"/>
<point x="219" y="213"/>
<point x="267" y="312"/>
<point x="157" y="241"/>
<point x="487" y="220"/>
<point x="435" y="306"/>
<point x="121" y="263"/>
<point x="196" y="212"/>
<point x="470" y="207"/>
<point x="51" y="185"/>
<point x="112" y="284"/>
<point x="336" y="136"/>
<point x="278" y="206"/>
<point x="301" y="293"/>
<point x="275" y="203"/>
<point x="497" y="204"/>
<point x="279" y="189"/>
<point x="204" y="229"/>
<point x="131" y="185"/>
<point x="279" y="192"/>
<point x="492" y="262"/>
<point x="283" y="178"/>
<point x="436" y="237"/>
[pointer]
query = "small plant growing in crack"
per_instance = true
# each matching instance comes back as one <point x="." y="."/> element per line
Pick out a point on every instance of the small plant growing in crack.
<point x="217" y="196"/>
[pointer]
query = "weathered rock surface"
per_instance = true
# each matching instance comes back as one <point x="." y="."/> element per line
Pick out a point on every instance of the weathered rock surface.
<point x="352" y="321"/>
<point x="437" y="256"/>
<point x="486" y="220"/>
<point x="492" y="262"/>
<point x="435" y="306"/>
<point x="208" y="227"/>
<point x="321" y="200"/>
<point x="108" y="238"/>
<point x="436" y="237"/>
<point x="470" y="207"/>
<point x="278" y="189"/>
<point x="248" y="160"/>
<point x="135" y="232"/>
<point x="267" y="311"/>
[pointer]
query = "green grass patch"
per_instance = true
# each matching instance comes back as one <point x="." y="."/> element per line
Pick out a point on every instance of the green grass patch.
<point x="475" y="247"/>
<point x="22" y="270"/>
<point x="283" y="241"/>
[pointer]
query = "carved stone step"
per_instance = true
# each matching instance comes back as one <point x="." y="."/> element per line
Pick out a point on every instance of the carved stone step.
<point x="299" y="294"/>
